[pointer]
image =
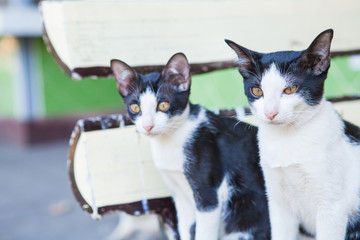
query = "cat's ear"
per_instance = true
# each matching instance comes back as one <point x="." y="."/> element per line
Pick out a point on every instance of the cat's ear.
<point x="245" y="62"/>
<point x="317" y="57"/>
<point x="177" y="72"/>
<point x="125" y="76"/>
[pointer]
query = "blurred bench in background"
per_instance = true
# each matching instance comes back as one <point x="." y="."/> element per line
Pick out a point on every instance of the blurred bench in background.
<point x="84" y="36"/>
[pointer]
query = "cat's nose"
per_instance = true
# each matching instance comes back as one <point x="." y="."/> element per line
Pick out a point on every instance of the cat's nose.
<point x="271" y="115"/>
<point x="148" y="128"/>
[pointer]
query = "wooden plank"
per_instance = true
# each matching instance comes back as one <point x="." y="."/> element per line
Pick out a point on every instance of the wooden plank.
<point x="87" y="34"/>
<point x="107" y="161"/>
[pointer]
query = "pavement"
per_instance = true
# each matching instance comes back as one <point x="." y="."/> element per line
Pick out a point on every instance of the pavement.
<point x="36" y="201"/>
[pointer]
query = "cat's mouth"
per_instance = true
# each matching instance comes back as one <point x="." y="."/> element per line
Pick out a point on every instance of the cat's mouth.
<point x="276" y="122"/>
<point x="152" y="134"/>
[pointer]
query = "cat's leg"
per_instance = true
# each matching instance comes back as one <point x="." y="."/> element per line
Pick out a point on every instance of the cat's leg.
<point x="207" y="224"/>
<point x="186" y="217"/>
<point x="209" y="202"/>
<point x="184" y="203"/>
<point x="331" y="222"/>
<point x="284" y="223"/>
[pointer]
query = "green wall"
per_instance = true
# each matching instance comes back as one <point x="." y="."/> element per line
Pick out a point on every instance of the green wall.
<point x="63" y="96"/>
<point x="342" y="80"/>
<point x="221" y="89"/>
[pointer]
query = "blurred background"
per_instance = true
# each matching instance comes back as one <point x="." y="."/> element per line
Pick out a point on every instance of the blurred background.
<point x="39" y="106"/>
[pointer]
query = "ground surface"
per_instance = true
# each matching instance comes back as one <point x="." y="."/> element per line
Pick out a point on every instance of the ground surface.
<point x="36" y="201"/>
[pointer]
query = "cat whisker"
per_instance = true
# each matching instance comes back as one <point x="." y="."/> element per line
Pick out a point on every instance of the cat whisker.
<point x="277" y="66"/>
<point x="151" y="87"/>
<point x="293" y="122"/>
<point x="257" y="70"/>
<point x="302" y="111"/>
<point x="284" y="69"/>
<point x="288" y="68"/>
<point x="249" y="126"/>
<point x="237" y="117"/>
<point x="160" y="86"/>
<point x="237" y="123"/>
<point x="254" y="74"/>
<point x="133" y="89"/>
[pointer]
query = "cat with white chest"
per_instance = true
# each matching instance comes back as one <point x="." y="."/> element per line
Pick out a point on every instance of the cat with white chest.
<point x="309" y="155"/>
<point x="209" y="162"/>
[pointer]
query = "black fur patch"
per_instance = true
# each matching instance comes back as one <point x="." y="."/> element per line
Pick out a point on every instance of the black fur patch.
<point x="304" y="232"/>
<point x="352" y="132"/>
<point x="310" y="86"/>
<point x="192" y="231"/>
<point x="221" y="147"/>
<point x="353" y="228"/>
<point x="163" y="92"/>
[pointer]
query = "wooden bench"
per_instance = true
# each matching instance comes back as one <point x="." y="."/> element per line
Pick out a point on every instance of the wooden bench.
<point x="110" y="165"/>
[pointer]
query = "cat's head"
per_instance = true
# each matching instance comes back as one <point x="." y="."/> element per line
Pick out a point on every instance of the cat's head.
<point x="156" y="102"/>
<point x="285" y="87"/>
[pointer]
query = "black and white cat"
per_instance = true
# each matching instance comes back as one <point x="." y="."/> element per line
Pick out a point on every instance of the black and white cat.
<point x="209" y="162"/>
<point x="309" y="155"/>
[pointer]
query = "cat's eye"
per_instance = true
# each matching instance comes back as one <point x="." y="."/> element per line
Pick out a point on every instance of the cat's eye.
<point x="163" y="106"/>
<point x="135" y="108"/>
<point x="290" y="90"/>
<point x="256" y="91"/>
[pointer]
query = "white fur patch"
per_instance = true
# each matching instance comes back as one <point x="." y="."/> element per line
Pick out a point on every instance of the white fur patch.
<point x="184" y="201"/>
<point x="290" y="109"/>
<point x="208" y="223"/>
<point x="169" y="158"/>
<point x="167" y="148"/>
<point x="311" y="174"/>
<point x="239" y="236"/>
<point x="149" y="116"/>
